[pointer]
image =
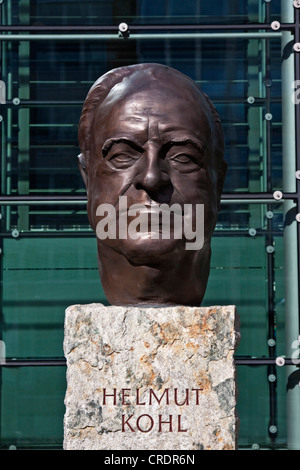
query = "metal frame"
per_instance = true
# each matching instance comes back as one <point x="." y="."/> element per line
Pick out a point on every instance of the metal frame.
<point x="178" y="32"/>
<point x="239" y="361"/>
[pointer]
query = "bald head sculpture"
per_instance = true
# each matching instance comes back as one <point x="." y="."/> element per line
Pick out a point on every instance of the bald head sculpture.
<point x="151" y="145"/>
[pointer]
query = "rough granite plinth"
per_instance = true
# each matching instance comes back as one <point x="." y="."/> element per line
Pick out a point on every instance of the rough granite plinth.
<point x="143" y="378"/>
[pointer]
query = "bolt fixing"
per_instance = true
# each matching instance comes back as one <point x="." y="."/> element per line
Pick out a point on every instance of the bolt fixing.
<point x="15" y="233"/>
<point x="273" y="429"/>
<point x="275" y="25"/>
<point x="280" y="361"/>
<point x="277" y="195"/>
<point x="296" y="46"/>
<point x="123" y="27"/>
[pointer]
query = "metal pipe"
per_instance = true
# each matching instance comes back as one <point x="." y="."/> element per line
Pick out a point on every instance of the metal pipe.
<point x="5" y="201"/>
<point x="246" y="361"/>
<point x="79" y="232"/>
<point x="105" y="37"/>
<point x="225" y="197"/>
<point x="290" y="231"/>
<point x="269" y="239"/>
<point x="258" y="101"/>
<point x="62" y="201"/>
<point x="178" y="27"/>
<point x="46" y="202"/>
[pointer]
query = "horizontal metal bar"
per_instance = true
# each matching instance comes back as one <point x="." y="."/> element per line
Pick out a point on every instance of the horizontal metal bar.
<point x="258" y="101"/>
<point x="263" y="361"/>
<point x="52" y="234"/>
<point x="10" y="202"/>
<point x="250" y="201"/>
<point x="31" y="202"/>
<point x="157" y="27"/>
<point x="232" y="198"/>
<point x="258" y="195"/>
<point x="105" y="37"/>
<point x="33" y="362"/>
<point x="45" y="202"/>
<point x="248" y="361"/>
<point x="261" y="198"/>
<point x="78" y="233"/>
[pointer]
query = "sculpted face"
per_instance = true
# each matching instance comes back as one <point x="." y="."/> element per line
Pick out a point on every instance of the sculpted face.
<point x="152" y="142"/>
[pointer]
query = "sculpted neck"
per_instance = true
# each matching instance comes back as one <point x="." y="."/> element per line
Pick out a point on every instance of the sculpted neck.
<point x="177" y="282"/>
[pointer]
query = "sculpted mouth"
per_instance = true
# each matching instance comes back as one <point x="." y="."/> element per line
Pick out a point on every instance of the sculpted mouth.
<point x="150" y="220"/>
<point x="163" y="195"/>
<point x="151" y="210"/>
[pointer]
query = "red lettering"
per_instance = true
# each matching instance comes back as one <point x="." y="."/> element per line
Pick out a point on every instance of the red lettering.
<point x="138" y="423"/>
<point x="186" y="401"/>
<point x="124" y="395"/>
<point x="160" y="422"/>
<point x="179" y="425"/>
<point x="109" y="395"/>
<point x="138" y="397"/>
<point x="197" y="394"/>
<point x="159" y="399"/>
<point x="126" y="422"/>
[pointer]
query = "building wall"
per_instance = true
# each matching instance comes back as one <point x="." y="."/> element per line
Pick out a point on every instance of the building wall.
<point x="48" y="251"/>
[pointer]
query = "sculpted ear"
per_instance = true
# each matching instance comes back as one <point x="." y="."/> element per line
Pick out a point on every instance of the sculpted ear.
<point x="83" y="168"/>
<point x="221" y="178"/>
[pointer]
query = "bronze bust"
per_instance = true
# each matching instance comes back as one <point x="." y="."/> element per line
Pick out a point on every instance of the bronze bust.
<point x="149" y="138"/>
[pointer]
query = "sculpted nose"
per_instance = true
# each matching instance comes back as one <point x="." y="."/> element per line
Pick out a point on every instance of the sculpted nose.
<point x="154" y="179"/>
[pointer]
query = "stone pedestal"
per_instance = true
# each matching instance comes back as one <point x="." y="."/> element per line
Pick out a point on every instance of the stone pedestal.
<point x="143" y="378"/>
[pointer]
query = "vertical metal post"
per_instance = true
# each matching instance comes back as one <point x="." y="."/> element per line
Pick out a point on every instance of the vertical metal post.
<point x="1" y="242"/>
<point x="23" y="119"/>
<point x="7" y="122"/>
<point x="269" y="240"/>
<point x="290" y="230"/>
<point x="2" y="189"/>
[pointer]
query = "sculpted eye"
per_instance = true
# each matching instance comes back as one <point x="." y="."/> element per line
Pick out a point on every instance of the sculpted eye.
<point x="185" y="163"/>
<point x="122" y="160"/>
<point x="182" y="158"/>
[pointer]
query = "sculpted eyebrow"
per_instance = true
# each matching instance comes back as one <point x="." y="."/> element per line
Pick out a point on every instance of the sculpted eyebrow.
<point x="197" y="144"/>
<point x="110" y="142"/>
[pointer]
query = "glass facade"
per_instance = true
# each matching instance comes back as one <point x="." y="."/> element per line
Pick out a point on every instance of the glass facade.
<point x="245" y="55"/>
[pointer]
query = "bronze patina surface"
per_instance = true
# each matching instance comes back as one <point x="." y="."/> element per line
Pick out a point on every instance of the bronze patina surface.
<point x="149" y="133"/>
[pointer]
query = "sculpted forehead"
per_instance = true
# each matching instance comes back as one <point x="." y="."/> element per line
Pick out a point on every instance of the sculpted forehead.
<point x="137" y="82"/>
<point x="176" y="105"/>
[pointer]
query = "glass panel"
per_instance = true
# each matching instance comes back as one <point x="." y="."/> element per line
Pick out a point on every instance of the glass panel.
<point x="106" y="12"/>
<point x="240" y="271"/>
<point x="42" y="277"/>
<point x="243" y="241"/>
<point x="254" y="408"/>
<point x="59" y="75"/>
<point x="32" y="407"/>
<point x="48" y="250"/>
